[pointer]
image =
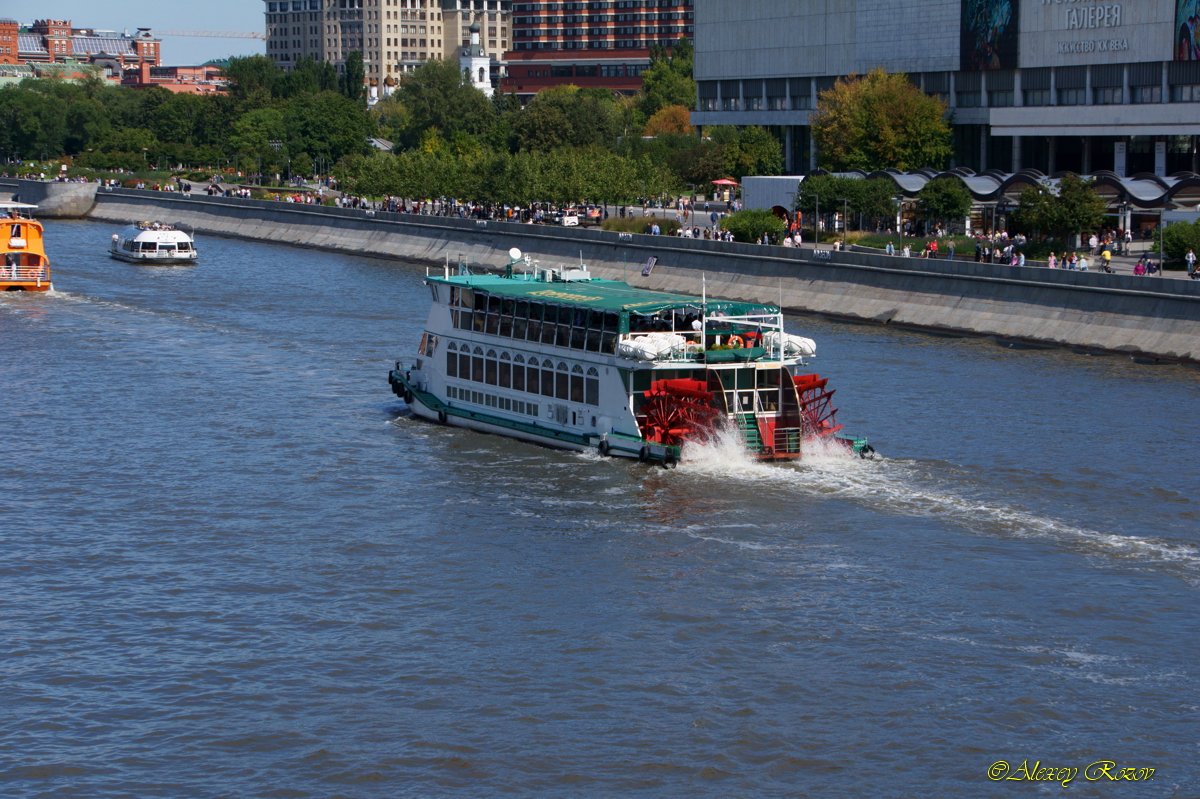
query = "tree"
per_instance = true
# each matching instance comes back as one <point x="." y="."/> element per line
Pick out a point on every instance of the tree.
<point x="669" y="120"/>
<point x="1068" y="208"/>
<point x="668" y="79"/>
<point x="352" y="81"/>
<point x="567" y="116"/>
<point x="750" y="224"/>
<point x="1178" y="238"/>
<point x="755" y="152"/>
<point x="880" y="121"/>
<point x="944" y="200"/>
<point x="252" y="79"/>
<point x="436" y="96"/>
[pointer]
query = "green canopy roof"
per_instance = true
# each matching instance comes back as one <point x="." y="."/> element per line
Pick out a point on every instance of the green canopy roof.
<point x="597" y="294"/>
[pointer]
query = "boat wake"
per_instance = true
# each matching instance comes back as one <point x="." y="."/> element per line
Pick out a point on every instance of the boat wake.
<point x="924" y="489"/>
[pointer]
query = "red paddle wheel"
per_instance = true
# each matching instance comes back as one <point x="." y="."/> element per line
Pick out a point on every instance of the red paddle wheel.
<point x="818" y="417"/>
<point x="678" y="410"/>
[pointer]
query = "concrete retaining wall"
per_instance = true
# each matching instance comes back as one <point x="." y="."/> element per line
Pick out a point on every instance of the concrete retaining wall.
<point x="1137" y="315"/>
<point x="57" y="200"/>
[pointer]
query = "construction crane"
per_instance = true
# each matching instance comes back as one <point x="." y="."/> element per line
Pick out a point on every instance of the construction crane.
<point x="214" y="34"/>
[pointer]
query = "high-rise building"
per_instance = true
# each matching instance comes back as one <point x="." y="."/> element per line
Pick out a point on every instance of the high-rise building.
<point x="394" y="36"/>
<point x="1048" y="85"/>
<point x="590" y="43"/>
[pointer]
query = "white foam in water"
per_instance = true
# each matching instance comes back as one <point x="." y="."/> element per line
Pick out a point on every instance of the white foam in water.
<point x="828" y="468"/>
<point x="901" y="487"/>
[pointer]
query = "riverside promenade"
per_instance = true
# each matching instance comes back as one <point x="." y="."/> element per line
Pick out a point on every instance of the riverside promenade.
<point x="1148" y="318"/>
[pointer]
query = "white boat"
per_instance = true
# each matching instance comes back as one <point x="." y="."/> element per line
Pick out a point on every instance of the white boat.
<point x="154" y="243"/>
<point x="556" y="357"/>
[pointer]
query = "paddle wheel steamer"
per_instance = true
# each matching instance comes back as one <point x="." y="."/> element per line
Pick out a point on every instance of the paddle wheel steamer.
<point x="557" y="357"/>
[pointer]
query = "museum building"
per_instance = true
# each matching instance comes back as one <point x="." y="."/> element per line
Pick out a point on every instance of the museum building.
<point x="1050" y="85"/>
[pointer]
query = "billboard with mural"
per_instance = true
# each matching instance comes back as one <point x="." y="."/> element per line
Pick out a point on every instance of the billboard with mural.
<point x="1187" y="30"/>
<point x="989" y="35"/>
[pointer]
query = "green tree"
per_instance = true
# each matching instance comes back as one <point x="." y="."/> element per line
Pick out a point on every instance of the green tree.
<point x="750" y="224"/>
<point x="668" y="80"/>
<point x="326" y="125"/>
<point x="435" y="96"/>
<point x="1177" y="239"/>
<point x="353" y="79"/>
<point x="1071" y="207"/>
<point x="252" y="79"/>
<point x="944" y="200"/>
<point x="755" y="152"/>
<point x="822" y="195"/>
<point x="567" y="116"/>
<point x="880" y="121"/>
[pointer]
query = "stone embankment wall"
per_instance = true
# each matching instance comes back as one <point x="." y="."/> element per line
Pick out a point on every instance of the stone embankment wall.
<point x="1141" y="316"/>
<point x="56" y="200"/>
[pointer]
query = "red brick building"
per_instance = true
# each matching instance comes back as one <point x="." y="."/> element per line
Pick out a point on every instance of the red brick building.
<point x="590" y="43"/>
<point x="50" y="41"/>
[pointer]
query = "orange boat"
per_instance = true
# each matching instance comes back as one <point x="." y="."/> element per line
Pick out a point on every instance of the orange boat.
<point x="23" y="262"/>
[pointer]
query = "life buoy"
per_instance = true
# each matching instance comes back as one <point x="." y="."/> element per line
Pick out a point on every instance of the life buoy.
<point x="604" y="447"/>
<point x="441" y="417"/>
<point x="736" y="342"/>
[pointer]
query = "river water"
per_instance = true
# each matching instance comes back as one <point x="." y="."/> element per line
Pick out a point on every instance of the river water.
<point x="234" y="565"/>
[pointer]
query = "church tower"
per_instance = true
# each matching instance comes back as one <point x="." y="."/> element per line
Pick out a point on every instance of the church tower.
<point x="475" y="63"/>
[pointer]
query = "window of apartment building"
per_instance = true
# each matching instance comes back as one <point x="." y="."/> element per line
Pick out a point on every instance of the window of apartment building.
<point x="707" y="93"/>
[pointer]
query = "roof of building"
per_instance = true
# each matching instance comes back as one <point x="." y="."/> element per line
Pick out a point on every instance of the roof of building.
<point x="1143" y="189"/>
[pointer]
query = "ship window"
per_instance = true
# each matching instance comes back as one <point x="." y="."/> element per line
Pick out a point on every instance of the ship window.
<point x="592" y="387"/>
<point x="520" y="327"/>
<point x="535" y="322"/>
<point x="531" y="377"/>
<point x="505" y="371"/>
<point x="506" y="323"/>
<point x="433" y="292"/>
<point x="564" y="334"/>
<point x="490" y="368"/>
<point x="578" y="337"/>
<point x="451" y="363"/>
<point x="577" y="384"/>
<point x="454" y="298"/>
<point x="477" y="320"/>
<point x="548" y="382"/>
<point x="548" y="326"/>
<point x="468" y="298"/>
<point x="494" y="304"/>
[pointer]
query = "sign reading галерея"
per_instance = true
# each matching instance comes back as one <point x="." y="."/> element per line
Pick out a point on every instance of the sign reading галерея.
<point x="1068" y="32"/>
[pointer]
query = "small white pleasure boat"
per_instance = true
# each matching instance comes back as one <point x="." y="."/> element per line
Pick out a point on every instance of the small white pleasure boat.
<point x="155" y="243"/>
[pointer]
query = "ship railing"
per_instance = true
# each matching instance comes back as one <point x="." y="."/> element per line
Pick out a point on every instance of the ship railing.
<point x="25" y="274"/>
